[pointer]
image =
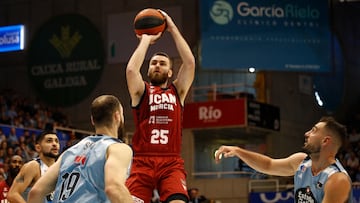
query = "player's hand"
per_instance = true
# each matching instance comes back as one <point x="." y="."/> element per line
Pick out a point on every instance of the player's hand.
<point x="170" y="25"/>
<point x="152" y="38"/>
<point x="218" y="155"/>
<point x="224" y="152"/>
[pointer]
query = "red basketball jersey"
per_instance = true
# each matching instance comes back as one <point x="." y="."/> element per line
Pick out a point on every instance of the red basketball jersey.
<point x="158" y="121"/>
<point x="4" y="189"/>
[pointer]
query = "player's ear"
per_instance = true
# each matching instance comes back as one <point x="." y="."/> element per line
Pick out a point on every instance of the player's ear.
<point x="92" y="120"/>
<point x="37" y="147"/>
<point x="117" y="116"/>
<point x="170" y="73"/>
<point x="326" y="139"/>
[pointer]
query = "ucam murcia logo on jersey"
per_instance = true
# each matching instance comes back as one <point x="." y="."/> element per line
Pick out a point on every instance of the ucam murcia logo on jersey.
<point x="163" y="101"/>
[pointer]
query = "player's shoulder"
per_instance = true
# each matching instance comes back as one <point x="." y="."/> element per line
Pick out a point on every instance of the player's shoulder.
<point x="30" y="170"/>
<point x="296" y="159"/>
<point x="32" y="165"/>
<point x="339" y="178"/>
<point x="334" y="181"/>
<point x="119" y="147"/>
<point x="298" y="156"/>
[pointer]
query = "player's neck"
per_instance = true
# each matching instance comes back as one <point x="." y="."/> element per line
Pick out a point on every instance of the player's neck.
<point x="47" y="160"/>
<point x="162" y="85"/>
<point x="319" y="165"/>
<point x="107" y="131"/>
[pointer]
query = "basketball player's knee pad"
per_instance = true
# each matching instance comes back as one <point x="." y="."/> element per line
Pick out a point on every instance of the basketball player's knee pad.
<point x="177" y="196"/>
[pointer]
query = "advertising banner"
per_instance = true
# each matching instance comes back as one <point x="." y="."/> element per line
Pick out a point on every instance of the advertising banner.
<point x="74" y="60"/>
<point x="287" y="197"/>
<point x="263" y="115"/>
<point x="284" y="35"/>
<point x="222" y="113"/>
<point x="271" y="197"/>
<point x="231" y="113"/>
<point x="12" y="38"/>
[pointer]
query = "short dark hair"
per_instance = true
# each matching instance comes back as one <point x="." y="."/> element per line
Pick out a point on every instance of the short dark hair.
<point x="103" y="108"/>
<point x="42" y="135"/>
<point x="160" y="53"/>
<point x="337" y="129"/>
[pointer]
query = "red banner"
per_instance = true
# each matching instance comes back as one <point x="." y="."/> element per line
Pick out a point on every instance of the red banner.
<point x="221" y="113"/>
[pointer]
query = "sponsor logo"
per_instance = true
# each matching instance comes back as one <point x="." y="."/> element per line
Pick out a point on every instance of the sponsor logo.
<point x="12" y="38"/>
<point x="222" y="12"/>
<point x="162" y="101"/>
<point x="74" y="62"/>
<point x="304" y="195"/>
<point x="209" y="113"/>
<point x="80" y="160"/>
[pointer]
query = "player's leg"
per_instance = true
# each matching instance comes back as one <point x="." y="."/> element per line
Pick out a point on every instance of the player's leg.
<point x="140" y="182"/>
<point x="172" y="188"/>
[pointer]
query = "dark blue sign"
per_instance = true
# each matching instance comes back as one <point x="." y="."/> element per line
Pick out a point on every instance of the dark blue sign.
<point x="11" y="38"/>
<point x="263" y="115"/>
<point x="285" y="35"/>
<point x="288" y="196"/>
<point x="356" y="194"/>
<point x="270" y="197"/>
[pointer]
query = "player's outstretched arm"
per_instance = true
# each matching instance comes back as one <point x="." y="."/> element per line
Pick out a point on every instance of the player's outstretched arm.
<point x="262" y="163"/>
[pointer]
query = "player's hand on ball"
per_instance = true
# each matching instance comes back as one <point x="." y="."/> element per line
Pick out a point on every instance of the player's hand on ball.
<point x="152" y="38"/>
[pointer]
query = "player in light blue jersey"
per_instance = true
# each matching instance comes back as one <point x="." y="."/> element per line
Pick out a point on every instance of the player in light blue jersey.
<point x="318" y="175"/>
<point x="47" y="146"/>
<point x="95" y="169"/>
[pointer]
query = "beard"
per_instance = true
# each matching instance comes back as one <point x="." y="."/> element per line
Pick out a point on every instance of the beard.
<point x="311" y="149"/>
<point x="158" y="79"/>
<point x="51" y="155"/>
<point x="14" y="171"/>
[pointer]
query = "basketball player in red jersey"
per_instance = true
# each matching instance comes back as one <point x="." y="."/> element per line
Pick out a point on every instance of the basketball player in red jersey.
<point x="157" y="108"/>
<point x="16" y="162"/>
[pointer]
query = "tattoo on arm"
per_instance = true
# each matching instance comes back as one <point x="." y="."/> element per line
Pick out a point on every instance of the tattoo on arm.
<point x="20" y="179"/>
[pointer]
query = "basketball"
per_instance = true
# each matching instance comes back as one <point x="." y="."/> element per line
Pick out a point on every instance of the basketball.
<point x="149" y="21"/>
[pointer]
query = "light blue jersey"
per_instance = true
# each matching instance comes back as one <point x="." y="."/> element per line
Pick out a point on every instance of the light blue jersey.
<point x="43" y="169"/>
<point x="81" y="176"/>
<point x="309" y="188"/>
